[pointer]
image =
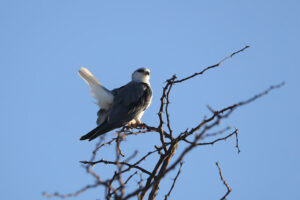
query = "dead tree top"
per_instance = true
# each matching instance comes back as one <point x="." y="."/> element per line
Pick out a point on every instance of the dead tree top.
<point x="116" y="187"/>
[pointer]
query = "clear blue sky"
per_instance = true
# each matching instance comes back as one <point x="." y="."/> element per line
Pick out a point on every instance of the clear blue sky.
<point x="46" y="107"/>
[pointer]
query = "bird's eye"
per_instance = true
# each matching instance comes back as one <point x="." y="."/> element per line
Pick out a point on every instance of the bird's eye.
<point x="147" y="73"/>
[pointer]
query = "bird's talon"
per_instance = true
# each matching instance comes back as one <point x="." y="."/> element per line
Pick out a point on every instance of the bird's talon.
<point x="141" y="125"/>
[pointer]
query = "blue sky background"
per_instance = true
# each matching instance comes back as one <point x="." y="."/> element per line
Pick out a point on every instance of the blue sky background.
<point x="46" y="107"/>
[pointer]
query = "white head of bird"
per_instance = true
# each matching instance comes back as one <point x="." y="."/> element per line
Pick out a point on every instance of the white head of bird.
<point x="141" y="75"/>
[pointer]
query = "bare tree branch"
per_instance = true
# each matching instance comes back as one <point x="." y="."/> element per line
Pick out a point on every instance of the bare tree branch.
<point x="117" y="163"/>
<point x="224" y="182"/>
<point x="63" y="196"/>
<point x="174" y="181"/>
<point x="212" y="66"/>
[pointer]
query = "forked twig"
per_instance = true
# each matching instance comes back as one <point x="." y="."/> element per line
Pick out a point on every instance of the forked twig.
<point x="224" y="182"/>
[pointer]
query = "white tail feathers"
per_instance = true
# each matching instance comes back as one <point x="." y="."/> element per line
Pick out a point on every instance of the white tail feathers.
<point x="87" y="76"/>
<point x="103" y="96"/>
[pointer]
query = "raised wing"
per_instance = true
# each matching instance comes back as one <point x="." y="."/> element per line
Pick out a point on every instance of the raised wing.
<point x="103" y="96"/>
<point x="129" y="101"/>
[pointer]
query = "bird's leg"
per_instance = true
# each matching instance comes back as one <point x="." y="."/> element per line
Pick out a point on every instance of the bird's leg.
<point x="132" y="123"/>
<point x="136" y="123"/>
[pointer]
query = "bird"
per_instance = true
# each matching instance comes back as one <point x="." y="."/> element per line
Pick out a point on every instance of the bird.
<point x="120" y="106"/>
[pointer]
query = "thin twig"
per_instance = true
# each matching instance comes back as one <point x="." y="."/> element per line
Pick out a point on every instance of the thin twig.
<point x="174" y="181"/>
<point x="63" y="196"/>
<point x="116" y="163"/>
<point x="212" y="66"/>
<point x="224" y="182"/>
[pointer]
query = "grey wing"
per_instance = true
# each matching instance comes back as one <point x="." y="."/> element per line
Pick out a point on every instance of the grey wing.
<point x="129" y="101"/>
<point x="102" y="116"/>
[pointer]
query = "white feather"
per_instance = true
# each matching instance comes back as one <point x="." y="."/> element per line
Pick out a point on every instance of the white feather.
<point x="103" y="96"/>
